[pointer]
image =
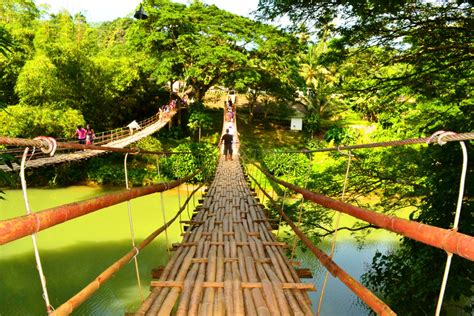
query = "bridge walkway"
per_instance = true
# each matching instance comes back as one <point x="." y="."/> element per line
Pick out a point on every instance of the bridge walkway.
<point x="118" y="140"/>
<point x="229" y="262"/>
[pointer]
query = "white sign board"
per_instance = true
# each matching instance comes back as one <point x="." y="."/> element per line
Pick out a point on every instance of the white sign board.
<point x="296" y="123"/>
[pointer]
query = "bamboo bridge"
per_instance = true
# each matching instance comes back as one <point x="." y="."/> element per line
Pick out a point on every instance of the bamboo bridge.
<point x="118" y="138"/>
<point x="229" y="262"/>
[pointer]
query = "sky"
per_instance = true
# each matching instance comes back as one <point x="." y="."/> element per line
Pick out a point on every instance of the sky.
<point x="108" y="10"/>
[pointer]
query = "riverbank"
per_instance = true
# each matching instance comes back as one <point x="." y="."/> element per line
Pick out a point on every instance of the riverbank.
<point x="74" y="253"/>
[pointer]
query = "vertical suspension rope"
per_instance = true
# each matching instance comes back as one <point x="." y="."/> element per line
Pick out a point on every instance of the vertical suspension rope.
<point x="179" y="207"/>
<point x="334" y="238"/>
<point x="300" y="213"/>
<point x="39" y="267"/>
<point x="163" y="212"/>
<point x="260" y="182"/>
<point x="132" y="230"/>
<point x="283" y="209"/>
<point x="187" y="197"/>
<point x="455" y="225"/>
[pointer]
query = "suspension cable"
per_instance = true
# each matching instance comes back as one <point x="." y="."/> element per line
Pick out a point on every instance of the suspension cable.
<point x="132" y="231"/>
<point x="179" y="204"/>
<point x="44" y="143"/>
<point x="455" y="226"/>
<point x="411" y="141"/>
<point x="187" y="205"/>
<point x="300" y="213"/>
<point x="39" y="267"/>
<point x="334" y="237"/>
<point x="282" y="208"/>
<point x="163" y="212"/>
<point x="448" y="240"/>
<point x="361" y="291"/>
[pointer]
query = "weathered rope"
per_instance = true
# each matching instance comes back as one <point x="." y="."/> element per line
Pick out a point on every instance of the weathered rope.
<point x="51" y="147"/>
<point x="163" y="212"/>
<point x="33" y="236"/>
<point x="179" y="203"/>
<point x="358" y="289"/>
<point x="300" y="213"/>
<point x="132" y="231"/>
<point x="462" y="182"/>
<point x="412" y="141"/>
<point x="334" y="238"/>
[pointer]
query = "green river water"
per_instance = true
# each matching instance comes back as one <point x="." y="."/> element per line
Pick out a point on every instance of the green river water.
<point x="75" y="252"/>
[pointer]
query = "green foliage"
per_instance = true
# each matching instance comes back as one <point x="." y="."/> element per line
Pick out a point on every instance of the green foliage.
<point x="295" y="167"/>
<point x="339" y="135"/>
<point x="29" y="122"/>
<point x="5" y="42"/>
<point x="205" y="46"/>
<point x="201" y="156"/>
<point x="312" y="123"/>
<point x="199" y="120"/>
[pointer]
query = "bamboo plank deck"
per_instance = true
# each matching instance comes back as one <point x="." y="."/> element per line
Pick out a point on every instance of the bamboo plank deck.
<point x="229" y="262"/>
<point x="145" y="131"/>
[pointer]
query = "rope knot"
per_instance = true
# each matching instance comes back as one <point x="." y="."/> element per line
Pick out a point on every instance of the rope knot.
<point x="49" y="145"/>
<point x="438" y="136"/>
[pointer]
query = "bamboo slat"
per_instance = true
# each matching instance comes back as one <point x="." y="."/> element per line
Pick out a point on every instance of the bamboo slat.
<point x="228" y="262"/>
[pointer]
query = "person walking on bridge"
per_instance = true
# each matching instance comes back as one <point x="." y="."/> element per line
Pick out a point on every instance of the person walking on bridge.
<point x="227" y="138"/>
<point x="81" y="134"/>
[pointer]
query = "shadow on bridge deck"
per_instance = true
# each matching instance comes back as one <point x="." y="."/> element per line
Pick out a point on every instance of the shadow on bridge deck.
<point x="229" y="261"/>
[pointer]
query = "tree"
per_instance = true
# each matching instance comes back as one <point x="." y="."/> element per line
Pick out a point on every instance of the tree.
<point x="5" y="42"/>
<point x="203" y="46"/>
<point x="405" y="64"/>
<point x="199" y="120"/>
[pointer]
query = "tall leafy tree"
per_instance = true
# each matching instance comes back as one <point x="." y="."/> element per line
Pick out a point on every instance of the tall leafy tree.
<point x="406" y="64"/>
<point x="203" y="46"/>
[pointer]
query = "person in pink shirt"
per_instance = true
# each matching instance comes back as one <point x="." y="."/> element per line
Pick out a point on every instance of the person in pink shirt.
<point x="81" y="134"/>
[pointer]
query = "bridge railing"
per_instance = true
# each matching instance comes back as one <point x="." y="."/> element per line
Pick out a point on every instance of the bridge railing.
<point x="102" y="138"/>
<point x="18" y="227"/>
<point x="446" y="239"/>
<point x="449" y="240"/>
<point x="376" y="304"/>
<point x="70" y="305"/>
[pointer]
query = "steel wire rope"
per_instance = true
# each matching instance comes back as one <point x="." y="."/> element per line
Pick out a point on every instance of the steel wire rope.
<point x="187" y="196"/>
<point x="283" y="208"/>
<point x="300" y="212"/>
<point x="411" y="141"/>
<point x="456" y="218"/>
<point x="358" y="289"/>
<point x="49" y="307"/>
<point x="179" y="205"/>
<point x="338" y="217"/>
<point x="132" y="230"/>
<point x="163" y="211"/>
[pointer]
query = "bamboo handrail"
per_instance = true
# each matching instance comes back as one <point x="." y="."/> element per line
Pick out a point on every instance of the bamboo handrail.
<point x="70" y="305"/>
<point x="18" y="227"/>
<point x="376" y="304"/>
<point x="446" y="239"/>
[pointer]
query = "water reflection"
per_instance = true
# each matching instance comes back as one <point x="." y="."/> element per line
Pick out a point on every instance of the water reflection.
<point x="74" y="253"/>
<point x="338" y="298"/>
